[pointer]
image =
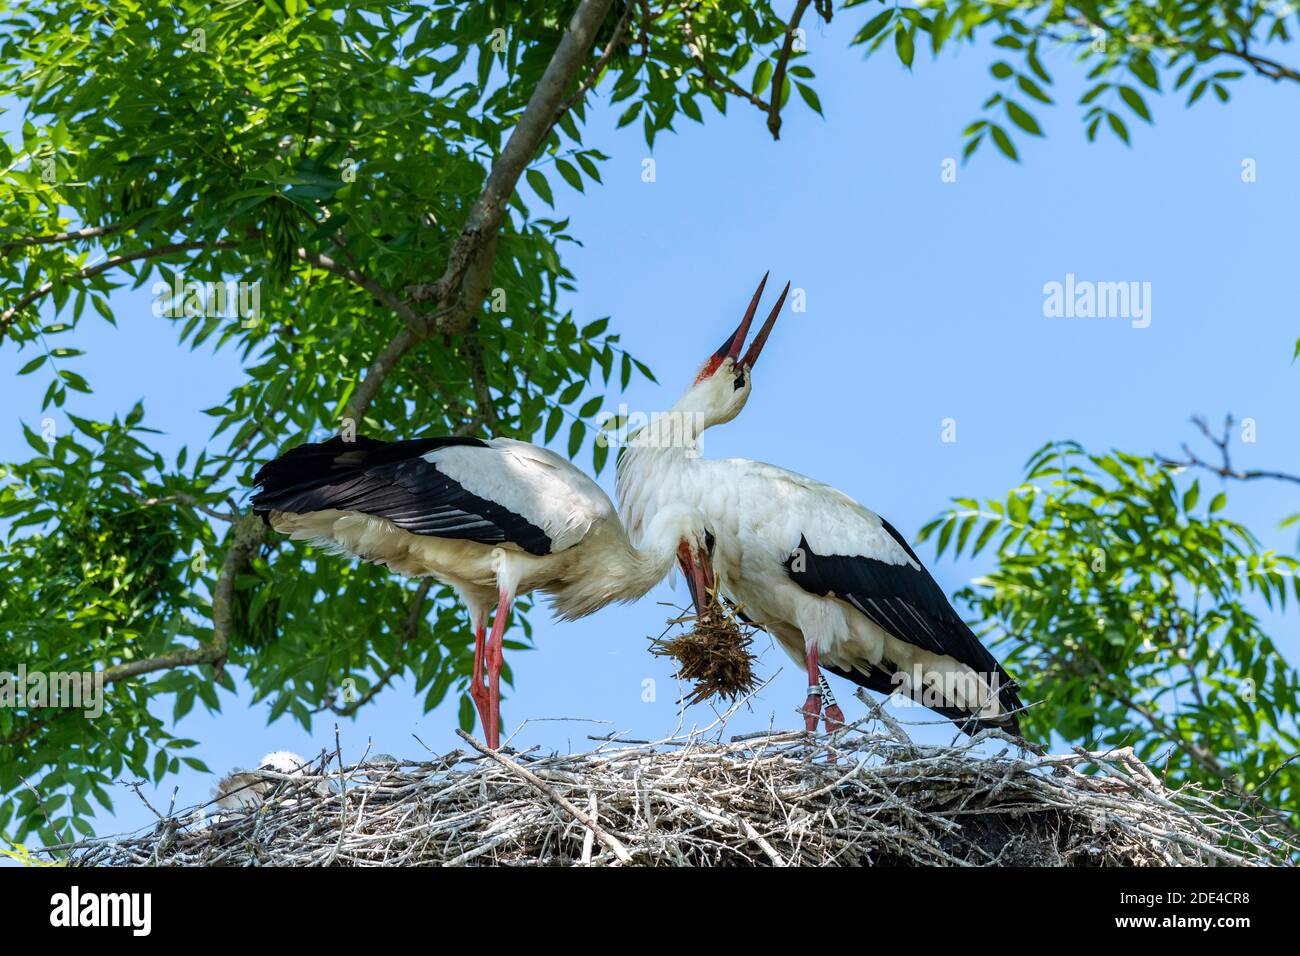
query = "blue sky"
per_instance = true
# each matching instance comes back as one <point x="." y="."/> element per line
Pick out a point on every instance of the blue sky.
<point x="924" y="302"/>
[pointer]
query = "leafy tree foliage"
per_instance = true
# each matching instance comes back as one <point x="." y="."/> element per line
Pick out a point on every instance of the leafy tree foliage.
<point x="1128" y="49"/>
<point x="357" y="164"/>
<point x="1122" y="602"/>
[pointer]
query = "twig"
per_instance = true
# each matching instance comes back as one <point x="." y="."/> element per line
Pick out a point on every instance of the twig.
<point x="615" y="847"/>
<point x="1225" y="467"/>
<point x="593" y="76"/>
<point x="7" y="317"/>
<point x="246" y="536"/>
<point x="778" y="74"/>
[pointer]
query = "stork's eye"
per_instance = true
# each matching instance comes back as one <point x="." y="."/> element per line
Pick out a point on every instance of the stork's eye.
<point x="709" y="541"/>
<point x="740" y="380"/>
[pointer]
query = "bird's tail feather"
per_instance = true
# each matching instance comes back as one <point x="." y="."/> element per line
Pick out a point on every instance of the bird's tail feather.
<point x="884" y="681"/>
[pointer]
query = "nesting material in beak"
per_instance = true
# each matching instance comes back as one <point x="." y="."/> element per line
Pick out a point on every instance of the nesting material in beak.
<point x="713" y="656"/>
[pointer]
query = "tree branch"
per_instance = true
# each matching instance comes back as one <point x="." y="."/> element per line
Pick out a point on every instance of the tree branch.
<point x="57" y="237"/>
<point x="464" y="283"/>
<point x="1086" y="665"/>
<point x="722" y="84"/>
<point x="1260" y="64"/>
<point x="7" y="317"/>
<point x="183" y="498"/>
<point x="246" y="536"/>
<point x="410" y="629"/>
<point x="378" y="292"/>
<point x="379" y="370"/>
<point x="1225" y="468"/>
<point x="594" y="75"/>
<point x="783" y="61"/>
<point x="473" y="350"/>
<point x="459" y="293"/>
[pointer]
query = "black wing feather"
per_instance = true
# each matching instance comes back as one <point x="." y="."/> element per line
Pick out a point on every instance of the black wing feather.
<point x="390" y="480"/>
<point x="906" y="602"/>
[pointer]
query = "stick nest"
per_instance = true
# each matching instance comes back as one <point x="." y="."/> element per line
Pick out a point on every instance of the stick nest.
<point x="764" y="800"/>
<point x="713" y="656"/>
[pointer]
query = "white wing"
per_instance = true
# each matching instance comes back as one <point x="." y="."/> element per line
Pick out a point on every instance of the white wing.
<point x="774" y="509"/>
<point x="540" y="486"/>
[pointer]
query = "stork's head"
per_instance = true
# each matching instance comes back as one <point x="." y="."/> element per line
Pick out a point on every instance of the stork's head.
<point x="721" y="387"/>
<point x="681" y="528"/>
<point x="695" y="558"/>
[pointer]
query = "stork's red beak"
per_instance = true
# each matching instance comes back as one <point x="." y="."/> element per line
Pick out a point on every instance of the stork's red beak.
<point x="698" y="571"/>
<point x="736" y="341"/>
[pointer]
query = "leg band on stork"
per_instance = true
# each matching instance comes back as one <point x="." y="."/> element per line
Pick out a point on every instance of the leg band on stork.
<point x="834" y="716"/>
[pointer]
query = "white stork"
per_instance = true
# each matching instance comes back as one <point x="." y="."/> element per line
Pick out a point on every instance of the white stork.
<point x="494" y="519"/>
<point x="836" y="585"/>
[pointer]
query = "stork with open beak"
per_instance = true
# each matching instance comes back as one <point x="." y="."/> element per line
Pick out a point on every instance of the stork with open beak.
<point x="837" y="586"/>
<point x="493" y="519"/>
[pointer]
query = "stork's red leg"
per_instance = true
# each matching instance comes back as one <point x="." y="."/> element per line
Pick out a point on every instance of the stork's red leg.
<point x="812" y="707"/>
<point x="495" y="658"/>
<point x="834" y="716"/>
<point x="477" y="687"/>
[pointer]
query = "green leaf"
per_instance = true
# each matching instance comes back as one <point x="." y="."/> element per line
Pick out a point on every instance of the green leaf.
<point x="1023" y="119"/>
<point x="572" y="391"/>
<point x="1135" y="102"/>
<point x="630" y="114"/>
<point x="985" y="535"/>
<point x="1003" y="142"/>
<point x="1117" y="126"/>
<point x="874" y="26"/>
<point x="537" y="182"/>
<point x="903" y="44"/>
<point x="577" y="431"/>
<point x="553" y="422"/>
<point x="810" y="97"/>
<point x="570" y="174"/>
<point x="1141" y="68"/>
<point x="1032" y="89"/>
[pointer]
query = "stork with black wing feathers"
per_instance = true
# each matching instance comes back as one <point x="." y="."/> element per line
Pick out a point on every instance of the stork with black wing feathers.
<point x="493" y="519"/>
<point x="837" y="586"/>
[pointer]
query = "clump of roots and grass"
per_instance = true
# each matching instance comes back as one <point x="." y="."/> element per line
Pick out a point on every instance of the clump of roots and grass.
<point x="712" y="653"/>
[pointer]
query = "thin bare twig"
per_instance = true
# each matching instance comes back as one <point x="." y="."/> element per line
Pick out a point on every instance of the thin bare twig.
<point x="1224" y="468"/>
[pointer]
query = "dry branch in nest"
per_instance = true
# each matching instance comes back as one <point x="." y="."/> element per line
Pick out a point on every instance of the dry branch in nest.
<point x="772" y="799"/>
<point x="713" y="656"/>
